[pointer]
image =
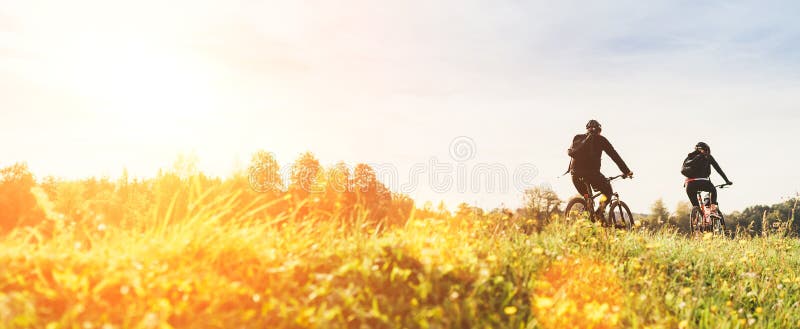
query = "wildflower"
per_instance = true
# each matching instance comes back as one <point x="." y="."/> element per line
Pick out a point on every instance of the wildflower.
<point x="541" y="285"/>
<point x="150" y="320"/>
<point x="543" y="302"/>
<point x="510" y="310"/>
<point x="595" y="312"/>
<point x="537" y="251"/>
<point x="635" y="264"/>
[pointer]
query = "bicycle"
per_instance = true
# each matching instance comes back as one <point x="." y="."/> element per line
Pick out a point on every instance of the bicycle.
<point x="583" y="207"/>
<point x="703" y="220"/>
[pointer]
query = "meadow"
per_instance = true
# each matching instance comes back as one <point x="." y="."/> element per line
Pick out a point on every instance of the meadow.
<point x="215" y="255"/>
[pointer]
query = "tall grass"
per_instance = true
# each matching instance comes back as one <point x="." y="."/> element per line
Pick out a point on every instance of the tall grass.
<point x="220" y="265"/>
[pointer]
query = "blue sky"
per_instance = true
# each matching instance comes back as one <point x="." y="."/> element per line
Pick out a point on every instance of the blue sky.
<point x="90" y="87"/>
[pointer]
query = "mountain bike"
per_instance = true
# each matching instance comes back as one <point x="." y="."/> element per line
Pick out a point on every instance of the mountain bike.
<point x="703" y="219"/>
<point x="619" y="215"/>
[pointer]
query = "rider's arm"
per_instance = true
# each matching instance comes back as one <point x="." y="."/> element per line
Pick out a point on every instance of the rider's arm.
<point x="578" y="142"/>
<point x="609" y="149"/>
<point x="718" y="169"/>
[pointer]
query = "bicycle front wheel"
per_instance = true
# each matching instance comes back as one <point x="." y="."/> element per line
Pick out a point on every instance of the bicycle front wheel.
<point x="577" y="210"/>
<point x="718" y="227"/>
<point x="620" y="216"/>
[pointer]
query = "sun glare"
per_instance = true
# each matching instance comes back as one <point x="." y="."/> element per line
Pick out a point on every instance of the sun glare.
<point x="142" y="85"/>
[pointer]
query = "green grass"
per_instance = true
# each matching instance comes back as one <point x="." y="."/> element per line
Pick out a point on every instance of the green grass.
<point x="202" y="272"/>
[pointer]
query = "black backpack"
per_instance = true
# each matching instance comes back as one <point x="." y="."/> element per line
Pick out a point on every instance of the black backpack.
<point x="692" y="168"/>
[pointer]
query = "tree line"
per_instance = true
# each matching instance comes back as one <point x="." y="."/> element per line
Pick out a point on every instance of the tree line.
<point x="755" y="220"/>
<point x="313" y="191"/>
<point x="353" y="196"/>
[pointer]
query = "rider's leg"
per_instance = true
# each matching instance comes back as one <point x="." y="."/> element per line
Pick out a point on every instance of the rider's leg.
<point x="579" y="185"/>
<point x="600" y="183"/>
<point x="713" y="191"/>
<point x="691" y="191"/>
<point x="707" y="186"/>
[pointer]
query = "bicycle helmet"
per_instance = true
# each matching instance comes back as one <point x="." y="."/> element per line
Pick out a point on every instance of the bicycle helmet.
<point x="594" y="126"/>
<point x="703" y="146"/>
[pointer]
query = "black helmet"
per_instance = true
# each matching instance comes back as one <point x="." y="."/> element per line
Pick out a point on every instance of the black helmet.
<point x="703" y="146"/>
<point x="593" y="127"/>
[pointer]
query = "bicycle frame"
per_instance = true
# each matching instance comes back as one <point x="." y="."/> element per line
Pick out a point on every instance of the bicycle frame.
<point x="614" y="196"/>
<point x="586" y="202"/>
<point x="590" y="198"/>
<point x="702" y="201"/>
<point x="705" y="221"/>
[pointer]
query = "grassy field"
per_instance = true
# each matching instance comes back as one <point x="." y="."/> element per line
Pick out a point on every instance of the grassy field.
<point x="198" y="271"/>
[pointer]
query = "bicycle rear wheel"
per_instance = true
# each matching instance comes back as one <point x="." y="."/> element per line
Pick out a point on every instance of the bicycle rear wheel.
<point x="620" y="216"/>
<point x="695" y="222"/>
<point x="576" y="210"/>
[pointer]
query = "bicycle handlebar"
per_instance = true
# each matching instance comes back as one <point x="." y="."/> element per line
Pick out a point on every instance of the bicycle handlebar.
<point x="724" y="185"/>
<point x="623" y="176"/>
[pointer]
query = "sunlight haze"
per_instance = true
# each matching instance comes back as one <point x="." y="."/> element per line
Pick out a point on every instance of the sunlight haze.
<point x="91" y="87"/>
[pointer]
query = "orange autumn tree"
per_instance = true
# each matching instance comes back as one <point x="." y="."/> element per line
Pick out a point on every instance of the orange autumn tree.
<point x="18" y="206"/>
<point x="303" y="179"/>
<point x="370" y="193"/>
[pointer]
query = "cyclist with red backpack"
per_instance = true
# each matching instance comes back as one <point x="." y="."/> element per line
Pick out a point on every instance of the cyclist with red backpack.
<point x="697" y="169"/>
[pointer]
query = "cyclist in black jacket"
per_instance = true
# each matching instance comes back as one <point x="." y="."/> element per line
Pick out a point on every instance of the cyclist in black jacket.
<point x="698" y="177"/>
<point x="586" y="151"/>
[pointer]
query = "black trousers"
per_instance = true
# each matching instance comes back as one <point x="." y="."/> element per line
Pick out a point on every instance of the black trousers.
<point x="700" y="185"/>
<point x="596" y="181"/>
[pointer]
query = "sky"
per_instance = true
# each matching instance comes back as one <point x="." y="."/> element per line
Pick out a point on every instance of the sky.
<point x="428" y="92"/>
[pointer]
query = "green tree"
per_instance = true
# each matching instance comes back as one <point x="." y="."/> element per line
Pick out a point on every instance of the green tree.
<point x="541" y="202"/>
<point x="659" y="214"/>
<point x="681" y="216"/>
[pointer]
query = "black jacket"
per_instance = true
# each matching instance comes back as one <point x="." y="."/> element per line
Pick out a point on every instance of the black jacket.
<point x="704" y="162"/>
<point x="586" y="152"/>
